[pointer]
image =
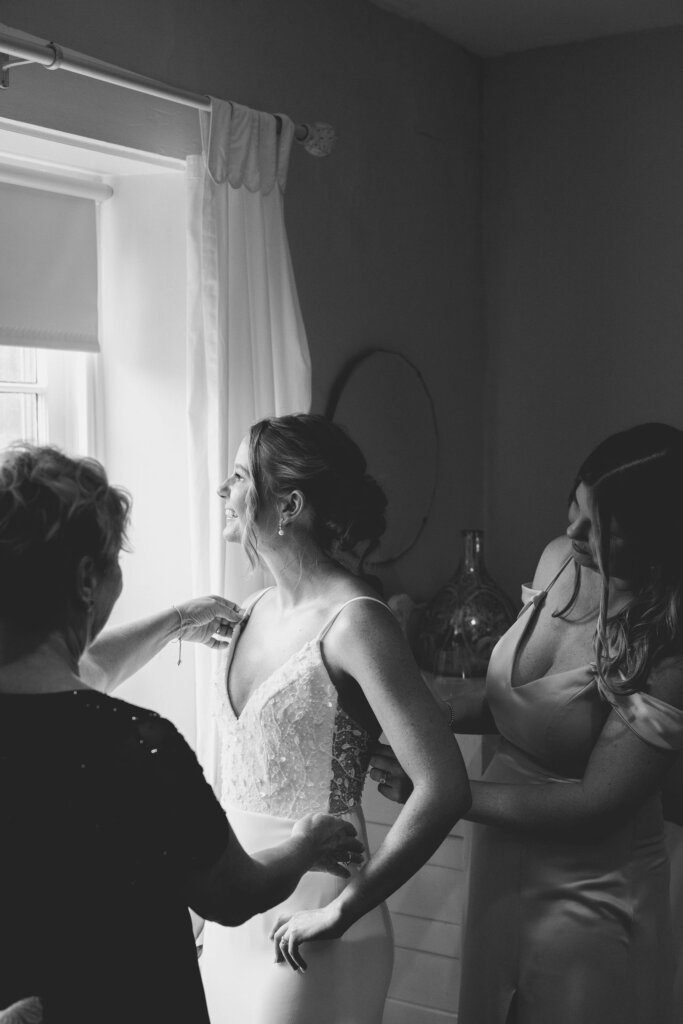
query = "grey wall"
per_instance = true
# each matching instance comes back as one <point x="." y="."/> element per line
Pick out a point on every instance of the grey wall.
<point x="583" y="200"/>
<point x="582" y="239"/>
<point x="384" y="233"/>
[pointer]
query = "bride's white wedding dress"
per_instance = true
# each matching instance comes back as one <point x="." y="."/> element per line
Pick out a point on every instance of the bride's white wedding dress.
<point x="293" y="750"/>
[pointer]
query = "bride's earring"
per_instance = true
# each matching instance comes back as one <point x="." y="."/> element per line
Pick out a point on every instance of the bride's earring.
<point x="281" y="531"/>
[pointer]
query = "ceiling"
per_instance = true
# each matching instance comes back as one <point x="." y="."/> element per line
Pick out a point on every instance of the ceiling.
<point x="492" y="27"/>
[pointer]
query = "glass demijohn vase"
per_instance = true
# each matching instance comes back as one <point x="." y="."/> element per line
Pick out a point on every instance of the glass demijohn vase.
<point x="462" y="623"/>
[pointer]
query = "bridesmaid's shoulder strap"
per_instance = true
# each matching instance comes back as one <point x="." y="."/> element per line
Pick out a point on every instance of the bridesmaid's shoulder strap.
<point x="538" y="597"/>
<point x="362" y="597"/>
<point x="557" y="575"/>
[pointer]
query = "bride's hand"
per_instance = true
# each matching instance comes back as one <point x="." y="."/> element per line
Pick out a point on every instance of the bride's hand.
<point x="208" y="620"/>
<point x="304" y="926"/>
<point x="333" y="843"/>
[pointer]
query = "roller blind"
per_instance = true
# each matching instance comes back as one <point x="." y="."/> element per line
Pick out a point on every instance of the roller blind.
<point x="48" y="270"/>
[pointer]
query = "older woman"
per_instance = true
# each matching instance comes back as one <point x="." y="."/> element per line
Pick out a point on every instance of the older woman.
<point x="109" y="829"/>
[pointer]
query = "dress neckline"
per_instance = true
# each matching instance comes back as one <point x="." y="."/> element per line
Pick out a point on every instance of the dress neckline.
<point x="314" y="642"/>
<point x="534" y="605"/>
<point x="260" y="686"/>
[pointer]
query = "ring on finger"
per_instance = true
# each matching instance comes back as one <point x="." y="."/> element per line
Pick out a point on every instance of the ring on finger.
<point x="383" y="779"/>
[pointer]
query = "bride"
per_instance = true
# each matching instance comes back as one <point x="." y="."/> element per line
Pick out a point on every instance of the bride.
<point x="315" y="671"/>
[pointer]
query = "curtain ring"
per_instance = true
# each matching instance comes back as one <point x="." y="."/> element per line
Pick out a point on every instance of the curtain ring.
<point x="58" y="58"/>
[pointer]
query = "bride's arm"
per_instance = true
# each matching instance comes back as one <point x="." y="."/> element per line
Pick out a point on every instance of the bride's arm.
<point x="366" y="644"/>
<point x="119" y="652"/>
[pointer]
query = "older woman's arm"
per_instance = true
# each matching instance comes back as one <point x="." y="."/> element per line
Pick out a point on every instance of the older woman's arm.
<point x="219" y="880"/>
<point x="239" y="885"/>
<point x="119" y="652"/>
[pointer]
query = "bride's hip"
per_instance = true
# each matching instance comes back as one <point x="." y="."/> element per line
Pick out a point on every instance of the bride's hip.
<point x="255" y="831"/>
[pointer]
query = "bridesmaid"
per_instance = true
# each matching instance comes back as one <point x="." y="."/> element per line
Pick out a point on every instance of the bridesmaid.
<point x="568" y="915"/>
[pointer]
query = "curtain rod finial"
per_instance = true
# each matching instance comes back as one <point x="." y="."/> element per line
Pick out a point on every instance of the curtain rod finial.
<point x="318" y="139"/>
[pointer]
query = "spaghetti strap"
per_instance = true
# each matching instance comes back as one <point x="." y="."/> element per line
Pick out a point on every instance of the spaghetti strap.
<point x="255" y="600"/>
<point x="539" y="597"/>
<point x="362" y="597"/>
<point x="557" y="575"/>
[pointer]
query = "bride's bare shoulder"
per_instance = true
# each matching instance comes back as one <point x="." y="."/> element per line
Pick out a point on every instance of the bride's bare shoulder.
<point x="349" y="590"/>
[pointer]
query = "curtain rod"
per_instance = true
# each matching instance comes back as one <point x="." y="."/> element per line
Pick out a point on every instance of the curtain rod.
<point x="318" y="138"/>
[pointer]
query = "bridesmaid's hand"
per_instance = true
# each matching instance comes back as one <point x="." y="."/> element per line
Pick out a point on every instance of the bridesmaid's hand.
<point x="394" y="784"/>
<point x="333" y="843"/>
<point x="208" y="620"/>
<point x="305" y="926"/>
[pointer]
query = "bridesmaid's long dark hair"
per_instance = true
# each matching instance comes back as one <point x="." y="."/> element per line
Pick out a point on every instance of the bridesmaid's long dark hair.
<point x="636" y="480"/>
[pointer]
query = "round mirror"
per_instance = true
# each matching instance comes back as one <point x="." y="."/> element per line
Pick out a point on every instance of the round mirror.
<point x="381" y="400"/>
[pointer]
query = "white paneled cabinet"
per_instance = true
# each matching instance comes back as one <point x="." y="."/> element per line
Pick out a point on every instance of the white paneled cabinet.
<point x="426" y="914"/>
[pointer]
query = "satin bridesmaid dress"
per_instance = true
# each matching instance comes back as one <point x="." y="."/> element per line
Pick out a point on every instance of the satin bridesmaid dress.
<point x="557" y="930"/>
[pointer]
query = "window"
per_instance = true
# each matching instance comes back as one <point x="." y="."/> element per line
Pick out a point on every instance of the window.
<point x="55" y="386"/>
<point x="49" y="332"/>
<point x="44" y="397"/>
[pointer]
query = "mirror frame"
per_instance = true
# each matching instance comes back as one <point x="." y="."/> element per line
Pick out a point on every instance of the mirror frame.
<point x="342" y="379"/>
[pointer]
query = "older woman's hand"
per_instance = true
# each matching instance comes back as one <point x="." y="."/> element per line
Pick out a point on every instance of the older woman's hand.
<point x="333" y="842"/>
<point x="394" y="784"/>
<point x="208" y="620"/>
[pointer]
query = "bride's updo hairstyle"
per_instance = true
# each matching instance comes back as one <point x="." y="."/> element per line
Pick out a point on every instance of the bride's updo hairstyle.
<point x="309" y="453"/>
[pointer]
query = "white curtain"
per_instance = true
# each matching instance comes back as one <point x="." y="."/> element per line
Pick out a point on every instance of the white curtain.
<point x="247" y="350"/>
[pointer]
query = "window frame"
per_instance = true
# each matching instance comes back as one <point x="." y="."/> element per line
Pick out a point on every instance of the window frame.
<point x="64" y="390"/>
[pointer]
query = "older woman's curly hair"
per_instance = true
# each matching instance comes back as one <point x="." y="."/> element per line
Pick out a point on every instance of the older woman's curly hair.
<point x="54" y="510"/>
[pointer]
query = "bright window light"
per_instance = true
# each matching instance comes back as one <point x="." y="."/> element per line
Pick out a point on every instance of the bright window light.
<point x="45" y="398"/>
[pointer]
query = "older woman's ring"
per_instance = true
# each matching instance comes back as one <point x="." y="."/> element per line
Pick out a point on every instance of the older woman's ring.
<point x="384" y="778"/>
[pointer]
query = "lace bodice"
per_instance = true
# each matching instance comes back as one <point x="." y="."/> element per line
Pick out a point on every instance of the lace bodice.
<point x="293" y="749"/>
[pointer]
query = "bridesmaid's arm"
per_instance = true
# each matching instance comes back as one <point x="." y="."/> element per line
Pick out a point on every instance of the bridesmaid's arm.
<point x="466" y="708"/>
<point x="622" y="772"/>
<point x="466" y="711"/>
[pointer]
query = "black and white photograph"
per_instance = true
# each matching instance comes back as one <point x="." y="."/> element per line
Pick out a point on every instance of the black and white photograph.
<point x="341" y="512"/>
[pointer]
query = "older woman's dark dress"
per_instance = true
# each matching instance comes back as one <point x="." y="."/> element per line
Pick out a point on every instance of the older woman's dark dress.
<point x="104" y="815"/>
